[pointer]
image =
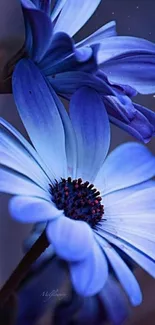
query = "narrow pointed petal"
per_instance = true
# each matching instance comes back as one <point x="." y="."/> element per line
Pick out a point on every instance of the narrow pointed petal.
<point x="57" y="8"/>
<point x="41" y="36"/>
<point x="123" y="273"/>
<point x="17" y="157"/>
<point x="70" y="139"/>
<point x="40" y="116"/>
<point x="123" y="47"/>
<point x="30" y="210"/>
<point x="89" y="276"/>
<point x="137" y="164"/>
<point x="108" y="30"/>
<point x="80" y="10"/>
<point x="67" y="83"/>
<point x="139" y="257"/>
<point x="15" y="183"/>
<point x="72" y="240"/>
<point x="27" y="147"/>
<point x="91" y="125"/>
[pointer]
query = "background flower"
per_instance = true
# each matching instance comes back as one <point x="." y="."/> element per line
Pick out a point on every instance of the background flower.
<point x="112" y="65"/>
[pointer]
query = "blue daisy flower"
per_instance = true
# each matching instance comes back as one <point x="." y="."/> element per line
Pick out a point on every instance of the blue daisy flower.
<point x="95" y="207"/>
<point x="117" y="67"/>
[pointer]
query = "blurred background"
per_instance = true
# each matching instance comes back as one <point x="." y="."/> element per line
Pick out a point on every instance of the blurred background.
<point x="133" y="17"/>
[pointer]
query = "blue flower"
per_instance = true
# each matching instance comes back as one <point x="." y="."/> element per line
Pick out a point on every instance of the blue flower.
<point x="96" y="208"/>
<point x="117" y="67"/>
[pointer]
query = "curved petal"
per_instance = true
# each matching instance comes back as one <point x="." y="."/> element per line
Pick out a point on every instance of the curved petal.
<point x="89" y="276"/>
<point x="127" y="165"/>
<point x="30" y="210"/>
<point x="140" y="127"/>
<point x="16" y="156"/>
<point x="40" y="116"/>
<point x="69" y="82"/>
<point x="91" y="125"/>
<point x="70" y="139"/>
<point x="124" y="47"/>
<point x="108" y="30"/>
<point x="74" y="15"/>
<point x="57" y="8"/>
<point x="123" y="273"/>
<point x="139" y="257"/>
<point x="121" y="107"/>
<point x="63" y="56"/>
<point x="15" y="183"/>
<point x="36" y="19"/>
<point x="72" y="240"/>
<point x="150" y="115"/>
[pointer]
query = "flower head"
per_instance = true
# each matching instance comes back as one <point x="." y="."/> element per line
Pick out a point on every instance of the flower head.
<point x="95" y="211"/>
<point x="117" y="67"/>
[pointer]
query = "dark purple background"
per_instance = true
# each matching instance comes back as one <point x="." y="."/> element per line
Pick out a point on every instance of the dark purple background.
<point x="136" y="18"/>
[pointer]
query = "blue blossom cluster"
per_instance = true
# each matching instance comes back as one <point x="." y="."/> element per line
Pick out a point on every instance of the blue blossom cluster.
<point x="98" y="209"/>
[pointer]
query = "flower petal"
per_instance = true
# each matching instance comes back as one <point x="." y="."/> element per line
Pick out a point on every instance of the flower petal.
<point x="41" y="36"/>
<point x="72" y="240"/>
<point x="15" y="154"/>
<point x="57" y="8"/>
<point x="70" y="139"/>
<point x="89" y="276"/>
<point x="108" y="30"/>
<point x="80" y="10"/>
<point x="139" y="257"/>
<point x="63" y="56"/>
<point x="91" y="125"/>
<point x="123" y="47"/>
<point x="123" y="273"/>
<point x="127" y="165"/>
<point x="67" y="83"/>
<point x="16" y="183"/>
<point x="150" y="115"/>
<point x="30" y="210"/>
<point x="43" y="122"/>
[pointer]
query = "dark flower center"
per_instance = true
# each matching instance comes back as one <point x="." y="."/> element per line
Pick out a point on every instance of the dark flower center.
<point x="80" y="201"/>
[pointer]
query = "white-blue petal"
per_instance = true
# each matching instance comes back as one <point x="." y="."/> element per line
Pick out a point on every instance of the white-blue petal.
<point x="16" y="156"/>
<point x="139" y="257"/>
<point x="16" y="183"/>
<point x="129" y="164"/>
<point x="123" y="273"/>
<point x="108" y="30"/>
<point x="40" y="115"/>
<point x="31" y="209"/>
<point x="91" y="125"/>
<point x="74" y="15"/>
<point x="89" y="276"/>
<point x="72" y="240"/>
<point x="57" y="8"/>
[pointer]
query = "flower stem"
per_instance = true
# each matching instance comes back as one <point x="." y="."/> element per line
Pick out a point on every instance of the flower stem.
<point x="23" y="267"/>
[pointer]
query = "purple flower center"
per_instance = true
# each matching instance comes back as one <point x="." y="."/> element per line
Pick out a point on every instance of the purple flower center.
<point x="80" y="201"/>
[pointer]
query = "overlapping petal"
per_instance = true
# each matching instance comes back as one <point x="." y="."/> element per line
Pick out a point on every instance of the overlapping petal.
<point x="74" y="15"/>
<point x="40" y="36"/>
<point x="40" y="115"/>
<point x="31" y="209"/>
<point x="127" y="165"/>
<point x="65" y="234"/>
<point x="108" y="30"/>
<point x="93" y="137"/>
<point x="123" y="273"/>
<point x="17" y="155"/>
<point x="89" y="276"/>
